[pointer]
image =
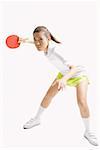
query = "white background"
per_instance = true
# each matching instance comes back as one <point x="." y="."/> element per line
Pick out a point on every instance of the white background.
<point x="26" y="74"/>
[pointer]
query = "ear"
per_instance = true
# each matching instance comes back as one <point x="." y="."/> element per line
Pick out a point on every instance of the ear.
<point x="49" y="37"/>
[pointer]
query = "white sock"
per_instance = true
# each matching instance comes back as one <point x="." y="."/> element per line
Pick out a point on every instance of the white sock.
<point x="86" y="122"/>
<point x="40" y="111"/>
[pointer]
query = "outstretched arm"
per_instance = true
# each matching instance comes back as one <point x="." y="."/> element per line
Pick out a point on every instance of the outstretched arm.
<point x="25" y="40"/>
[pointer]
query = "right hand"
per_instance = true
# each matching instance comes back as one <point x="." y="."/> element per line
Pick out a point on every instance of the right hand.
<point x="23" y="40"/>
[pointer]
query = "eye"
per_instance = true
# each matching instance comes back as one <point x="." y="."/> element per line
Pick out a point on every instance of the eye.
<point x="41" y="39"/>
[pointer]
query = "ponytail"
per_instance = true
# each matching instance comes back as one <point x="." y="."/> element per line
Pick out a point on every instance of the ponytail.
<point x="54" y="39"/>
<point x="44" y="29"/>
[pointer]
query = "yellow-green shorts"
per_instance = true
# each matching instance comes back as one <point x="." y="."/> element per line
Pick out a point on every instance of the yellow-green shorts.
<point x="73" y="81"/>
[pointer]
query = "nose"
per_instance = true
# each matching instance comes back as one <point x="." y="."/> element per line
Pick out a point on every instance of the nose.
<point x="37" y="43"/>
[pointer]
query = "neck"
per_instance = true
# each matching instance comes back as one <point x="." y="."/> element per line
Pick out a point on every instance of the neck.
<point x="46" y="50"/>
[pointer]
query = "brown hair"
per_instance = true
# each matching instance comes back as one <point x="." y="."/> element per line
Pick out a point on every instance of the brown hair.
<point x="44" y="29"/>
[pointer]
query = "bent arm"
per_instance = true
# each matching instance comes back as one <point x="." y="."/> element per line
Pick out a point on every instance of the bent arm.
<point x="73" y="70"/>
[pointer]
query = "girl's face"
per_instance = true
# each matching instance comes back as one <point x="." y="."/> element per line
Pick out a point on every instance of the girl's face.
<point x="41" y="41"/>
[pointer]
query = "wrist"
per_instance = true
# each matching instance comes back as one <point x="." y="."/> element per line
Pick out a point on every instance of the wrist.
<point x="65" y="78"/>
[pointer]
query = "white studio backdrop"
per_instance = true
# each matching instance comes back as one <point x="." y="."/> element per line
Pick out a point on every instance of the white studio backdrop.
<point x="27" y="74"/>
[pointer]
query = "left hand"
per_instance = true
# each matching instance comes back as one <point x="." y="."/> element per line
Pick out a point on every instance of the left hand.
<point x="61" y="83"/>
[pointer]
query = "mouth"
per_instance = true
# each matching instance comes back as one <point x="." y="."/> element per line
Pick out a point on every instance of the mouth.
<point x="39" y="48"/>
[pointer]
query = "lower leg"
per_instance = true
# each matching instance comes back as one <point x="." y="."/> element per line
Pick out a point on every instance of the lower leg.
<point x="52" y="91"/>
<point x="81" y="91"/>
<point x="84" y="110"/>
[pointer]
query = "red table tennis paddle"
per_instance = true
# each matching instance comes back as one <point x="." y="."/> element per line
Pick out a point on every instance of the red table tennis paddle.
<point x="12" y="41"/>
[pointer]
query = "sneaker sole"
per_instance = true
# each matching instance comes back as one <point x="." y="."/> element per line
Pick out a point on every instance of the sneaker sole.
<point x="31" y="126"/>
<point x="90" y="141"/>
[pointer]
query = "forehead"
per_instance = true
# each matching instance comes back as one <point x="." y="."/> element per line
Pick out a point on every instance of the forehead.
<point x="39" y="34"/>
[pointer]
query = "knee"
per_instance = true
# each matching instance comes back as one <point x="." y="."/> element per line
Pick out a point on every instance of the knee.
<point x="82" y="102"/>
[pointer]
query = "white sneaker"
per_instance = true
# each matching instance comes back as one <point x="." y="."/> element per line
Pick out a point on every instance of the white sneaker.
<point x="91" y="138"/>
<point x="32" y="123"/>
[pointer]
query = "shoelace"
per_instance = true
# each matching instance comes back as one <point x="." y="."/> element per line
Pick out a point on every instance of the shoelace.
<point x="92" y="135"/>
<point x="30" y="121"/>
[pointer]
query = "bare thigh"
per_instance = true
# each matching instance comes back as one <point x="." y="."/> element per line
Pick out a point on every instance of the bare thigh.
<point x="53" y="89"/>
<point x="81" y="90"/>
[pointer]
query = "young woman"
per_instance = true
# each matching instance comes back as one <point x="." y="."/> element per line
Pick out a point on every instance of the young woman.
<point x="68" y="75"/>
